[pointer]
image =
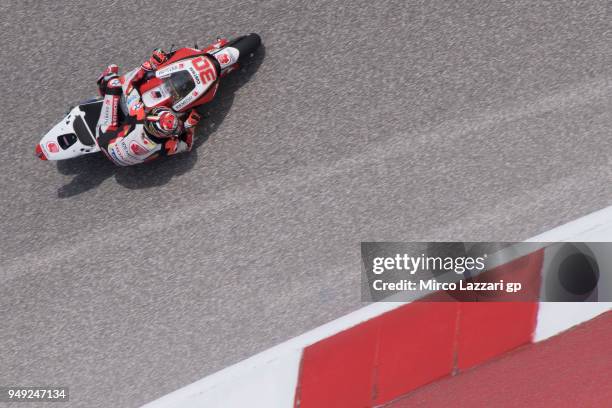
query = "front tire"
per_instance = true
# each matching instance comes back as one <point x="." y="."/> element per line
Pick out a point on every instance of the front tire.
<point x="246" y="45"/>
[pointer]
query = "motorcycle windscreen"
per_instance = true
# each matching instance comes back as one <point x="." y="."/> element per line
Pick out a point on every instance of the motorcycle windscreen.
<point x="192" y="83"/>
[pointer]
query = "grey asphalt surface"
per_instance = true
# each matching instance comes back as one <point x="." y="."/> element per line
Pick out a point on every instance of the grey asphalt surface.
<point x="359" y="121"/>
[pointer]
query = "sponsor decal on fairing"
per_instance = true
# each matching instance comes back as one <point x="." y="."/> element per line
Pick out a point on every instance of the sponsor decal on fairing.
<point x="52" y="147"/>
<point x="164" y="72"/>
<point x="223" y="58"/>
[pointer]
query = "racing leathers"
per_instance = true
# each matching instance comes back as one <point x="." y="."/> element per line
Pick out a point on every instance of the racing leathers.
<point x="129" y="139"/>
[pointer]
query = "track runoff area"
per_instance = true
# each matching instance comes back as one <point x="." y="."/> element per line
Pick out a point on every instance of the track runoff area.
<point x="440" y="354"/>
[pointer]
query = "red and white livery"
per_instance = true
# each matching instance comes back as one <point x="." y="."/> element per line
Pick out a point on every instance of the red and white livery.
<point x="187" y="79"/>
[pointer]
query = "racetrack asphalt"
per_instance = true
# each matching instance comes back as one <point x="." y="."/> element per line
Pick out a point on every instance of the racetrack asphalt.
<point x="361" y="121"/>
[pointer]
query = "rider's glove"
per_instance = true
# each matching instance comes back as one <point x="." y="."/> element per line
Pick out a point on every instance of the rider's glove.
<point x="157" y="58"/>
<point x="192" y="120"/>
<point x="112" y="71"/>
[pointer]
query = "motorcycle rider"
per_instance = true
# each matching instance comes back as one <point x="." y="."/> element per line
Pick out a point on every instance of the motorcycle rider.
<point x="140" y="136"/>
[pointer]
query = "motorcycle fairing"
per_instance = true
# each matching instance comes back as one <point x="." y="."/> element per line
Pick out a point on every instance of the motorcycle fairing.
<point x="73" y="136"/>
<point x="202" y="73"/>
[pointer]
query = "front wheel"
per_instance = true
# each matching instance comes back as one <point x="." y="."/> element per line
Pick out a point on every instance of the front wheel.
<point x="246" y="45"/>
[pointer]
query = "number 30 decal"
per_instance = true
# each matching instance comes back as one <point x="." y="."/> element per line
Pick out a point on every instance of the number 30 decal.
<point x="205" y="68"/>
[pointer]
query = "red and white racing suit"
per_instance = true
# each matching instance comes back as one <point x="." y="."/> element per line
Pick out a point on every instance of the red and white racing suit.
<point x="123" y="138"/>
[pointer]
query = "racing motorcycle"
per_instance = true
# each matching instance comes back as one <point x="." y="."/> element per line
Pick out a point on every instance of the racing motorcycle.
<point x="189" y="78"/>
